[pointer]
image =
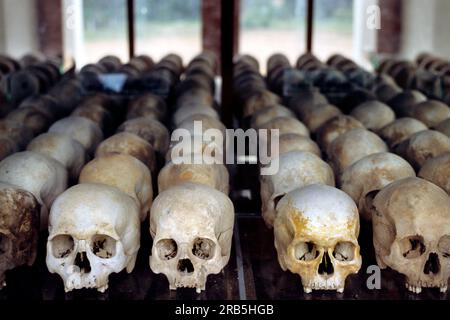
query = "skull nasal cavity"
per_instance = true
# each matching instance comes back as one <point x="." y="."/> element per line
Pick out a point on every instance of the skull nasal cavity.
<point x="185" y="265"/>
<point x="432" y="265"/>
<point x="326" y="267"/>
<point x="82" y="262"/>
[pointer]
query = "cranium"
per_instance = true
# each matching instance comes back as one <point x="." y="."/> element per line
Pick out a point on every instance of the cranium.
<point x="316" y="236"/>
<point x="61" y="147"/>
<point x="353" y="146"/>
<point x="16" y="131"/>
<point x="259" y="100"/>
<point x="318" y="115"/>
<point x="266" y="114"/>
<point x="206" y="172"/>
<point x="411" y="233"/>
<point x="335" y="127"/>
<point x="366" y="177"/>
<point x="422" y="146"/>
<point x="129" y="144"/>
<point x="306" y="100"/>
<point x="295" y="142"/>
<point x="147" y="105"/>
<point x="400" y="130"/>
<point x="437" y="170"/>
<point x="431" y="112"/>
<point x="85" y="131"/>
<point x="151" y="130"/>
<point x="404" y="102"/>
<point x="7" y="147"/>
<point x="444" y="127"/>
<point x="43" y="176"/>
<point x="188" y="110"/>
<point x="286" y="125"/>
<point x="95" y="112"/>
<point x="19" y="228"/>
<point x="192" y="229"/>
<point x="296" y="169"/>
<point x="94" y="230"/>
<point x="124" y="172"/>
<point x="373" y="115"/>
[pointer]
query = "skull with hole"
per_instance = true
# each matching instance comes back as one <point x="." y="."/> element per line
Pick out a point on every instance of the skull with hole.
<point x="411" y="233"/>
<point x="437" y="170"/>
<point x="316" y="236"/>
<point x="335" y="127"/>
<point x="192" y="228"/>
<point x="203" y="170"/>
<point x="43" y="176"/>
<point x="373" y="114"/>
<point x="129" y="144"/>
<point x="94" y="230"/>
<point x="61" y="147"/>
<point x="296" y="169"/>
<point x="366" y="177"/>
<point x="422" y="146"/>
<point x="125" y="173"/>
<point x="19" y="228"/>
<point x="400" y="130"/>
<point x="353" y="146"/>
<point x="84" y="130"/>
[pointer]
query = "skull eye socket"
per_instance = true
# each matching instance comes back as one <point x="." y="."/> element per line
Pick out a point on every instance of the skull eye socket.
<point x="444" y="246"/>
<point x="3" y="244"/>
<point x="412" y="247"/>
<point x="167" y="249"/>
<point x="103" y="246"/>
<point x="62" y="246"/>
<point x="344" y="251"/>
<point x="203" y="248"/>
<point x="277" y="199"/>
<point x="306" y="251"/>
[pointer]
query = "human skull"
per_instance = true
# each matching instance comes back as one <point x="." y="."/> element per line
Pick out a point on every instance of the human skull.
<point x="200" y="171"/>
<point x="431" y="112"/>
<point x="206" y="122"/>
<point x="43" y="176"/>
<point x="373" y="115"/>
<point x="147" y="105"/>
<point x="316" y="236"/>
<point x="125" y="173"/>
<point x="31" y="118"/>
<point x="85" y="131"/>
<point x="400" y="130"/>
<point x="422" y="146"/>
<point x="444" y="127"/>
<point x="259" y="100"/>
<point x="286" y="125"/>
<point x="404" y="102"/>
<point x="437" y="170"/>
<point x="366" y="177"/>
<point x="61" y="147"/>
<point x="335" y="127"/>
<point x="7" y="147"/>
<point x="264" y="115"/>
<point x="411" y="233"/>
<point x="129" y="144"/>
<point x="192" y="229"/>
<point x="295" y="142"/>
<point x="19" y="228"/>
<point x="16" y="131"/>
<point x="296" y="169"/>
<point x="188" y="110"/>
<point x="95" y="112"/>
<point x="94" y="230"/>
<point x="320" y="114"/>
<point x="151" y="130"/>
<point x="353" y="146"/>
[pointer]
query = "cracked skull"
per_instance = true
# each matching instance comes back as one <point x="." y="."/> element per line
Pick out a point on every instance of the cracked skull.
<point x="412" y="234"/>
<point x="94" y="230"/>
<point x="316" y="232"/>
<point x="192" y="229"/>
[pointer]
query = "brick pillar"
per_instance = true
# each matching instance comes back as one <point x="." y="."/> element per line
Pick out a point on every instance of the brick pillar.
<point x="50" y="27"/>
<point x="389" y="36"/>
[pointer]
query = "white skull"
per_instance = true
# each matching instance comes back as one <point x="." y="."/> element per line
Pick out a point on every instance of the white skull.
<point x="316" y="236"/>
<point x="129" y="144"/>
<point x="85" y="131"/>
<point x="335" y="127"/>
<point x="125" y="173"/>
<point x="422" y="146"/>
<point x="19" y="228"/>
<point x="400" y="130"/>
<point x="411" y="233"/>
<point x="44" y="177"/>
<point x="353" y="146"/>
<point x="437" y="170"/>
<point x="192" y="229"/>
<point x="373" y="114"/>
<point x="366" y="177"/>
<point x="296" y="169"/>
<point x="211" y="174"/>
<point x="61" y="147"/>
<point x="151" y="130"/>
<point x="94" y="230"/>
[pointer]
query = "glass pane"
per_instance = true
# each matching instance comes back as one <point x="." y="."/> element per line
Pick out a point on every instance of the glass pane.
<point x="270" y="26"/>
<point x="168" y="26"/>
<point x="333" y="25"/>
<point x="105" y="29"/>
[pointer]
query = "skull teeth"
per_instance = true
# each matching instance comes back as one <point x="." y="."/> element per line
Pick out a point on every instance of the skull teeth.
<point x="443" y="289"/>
<point x="415" y="289"/>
